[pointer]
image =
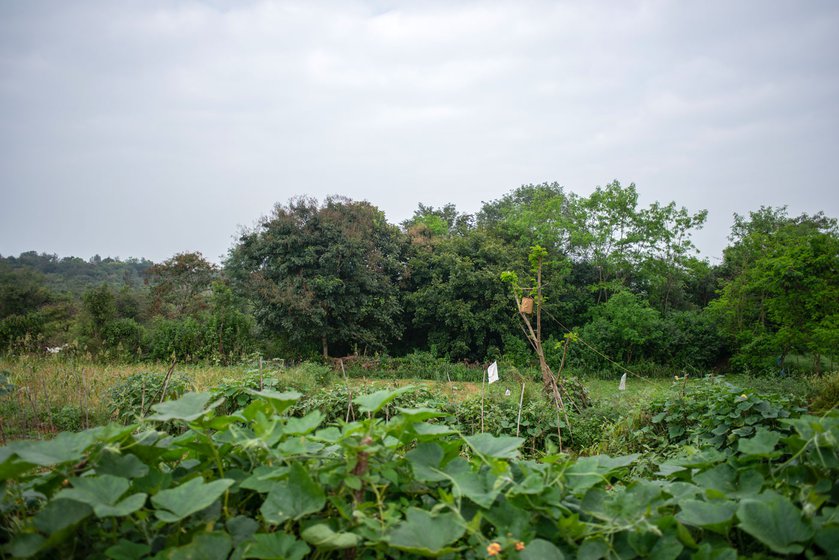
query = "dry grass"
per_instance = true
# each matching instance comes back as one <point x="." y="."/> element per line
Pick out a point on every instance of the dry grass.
<point x="45" y="385"/>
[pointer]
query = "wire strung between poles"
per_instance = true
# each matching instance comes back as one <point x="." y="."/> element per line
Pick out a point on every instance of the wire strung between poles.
<point x="596" y="351"/>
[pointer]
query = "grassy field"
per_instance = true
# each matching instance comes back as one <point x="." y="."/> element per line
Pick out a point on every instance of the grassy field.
<point x="54" y="394"/>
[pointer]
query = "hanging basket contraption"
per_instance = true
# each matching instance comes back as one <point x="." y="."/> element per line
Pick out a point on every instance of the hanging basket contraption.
<point x="526" y="305"/>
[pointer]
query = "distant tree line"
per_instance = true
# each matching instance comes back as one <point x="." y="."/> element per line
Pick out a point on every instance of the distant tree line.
<point x="334" y="278"/>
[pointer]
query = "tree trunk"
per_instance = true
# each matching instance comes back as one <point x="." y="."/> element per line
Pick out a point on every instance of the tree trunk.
<point x="325" y="347"/>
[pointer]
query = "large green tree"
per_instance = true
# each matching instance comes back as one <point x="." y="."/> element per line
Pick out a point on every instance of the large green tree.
<point x="180" y="285"/>
<point x="455" y="300"/>
<point x="781" y="288"/>
<point x="323" y="274"/>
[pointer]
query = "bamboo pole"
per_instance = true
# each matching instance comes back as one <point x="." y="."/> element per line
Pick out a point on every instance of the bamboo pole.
<point x="483" y="385"/>
<point x="521" y="401"/>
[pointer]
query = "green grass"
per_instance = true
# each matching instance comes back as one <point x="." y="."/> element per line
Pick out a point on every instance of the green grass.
<point x="47" y="390"/>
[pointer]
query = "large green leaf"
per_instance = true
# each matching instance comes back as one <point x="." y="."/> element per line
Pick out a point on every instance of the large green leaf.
<point x="305" y="425"/>
<point x="589" y="471"/>
<point x="374" y="402"/>
<point x="706" y="514"/>
<point x="775" y="521"/>
<point x="419" y="414"/>
<point x="540" y="549"/>
<point x="294" y="497"/>
<point x="275" y="546"/>
<point x="263" y="478"/>
<point x="102" y="493"/>
<point x="189" y="407"/>
<point x="127" y="550"/>
<point x="279" y="401"/>
<point x="322" y="535"/>
<point x="593" y="549"/>
<point x="241" y="528"/>
<point x="507" y="518"/>
<point x="128" y="465"/>
<point x="59" y="514"/>
<point x="430" y="431"/>
<point x="828" y="539"/>
<point x="427" y="534"/>
<point x="477" y="486"/>
<point x="501" y="447"/>
<point x="207" y="546"/>
<point x="425" y="461"/>
<point x="762" y="444"/>
<point x="25" y="545"/>
<point x="64" y="448"/>
<point x="188" y="498"/>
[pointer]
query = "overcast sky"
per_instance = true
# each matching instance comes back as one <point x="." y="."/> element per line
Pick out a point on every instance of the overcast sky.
<point x="146" y="128"/>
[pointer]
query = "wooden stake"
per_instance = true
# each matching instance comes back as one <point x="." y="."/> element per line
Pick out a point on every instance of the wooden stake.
<point x="483" y="384"/>
<point x="521" y="400"/>
<point x="84" y="404"/>
<point x="349" y="393"/>
<point x="167" y="378"/>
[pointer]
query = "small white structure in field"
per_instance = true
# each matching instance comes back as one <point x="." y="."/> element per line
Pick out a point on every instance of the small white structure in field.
<point x="622" y="386"/>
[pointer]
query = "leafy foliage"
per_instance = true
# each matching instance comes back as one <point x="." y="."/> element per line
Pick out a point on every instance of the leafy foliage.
<point x="134" y="396"/>
<point x="251" y="485"/>
<point x="781" y="293"/>
<point x="323" y="273"/>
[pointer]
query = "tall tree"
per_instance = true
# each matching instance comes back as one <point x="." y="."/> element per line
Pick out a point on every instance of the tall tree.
<point x="323" y="273"/>
<point x="181" y="285"/>
<point x="606" y="235"/>
<point x="781" y="289"/>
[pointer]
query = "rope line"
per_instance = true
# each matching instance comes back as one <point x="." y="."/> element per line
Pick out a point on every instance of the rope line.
<point x="595" y="350"/>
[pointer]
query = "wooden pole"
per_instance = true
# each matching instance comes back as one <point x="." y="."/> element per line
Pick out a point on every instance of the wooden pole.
<point x="349" y="393"/>
<point x="166" y="380"/>
<point x="521" y="401"/>
<point x="483" y="384"/>
<point x="84" y="403"/>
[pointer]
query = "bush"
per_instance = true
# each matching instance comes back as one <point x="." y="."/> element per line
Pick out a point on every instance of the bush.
<point x="68" y="418"/>
<point x="713" y="412"/>
<point x="825" y="393"/>
<point x="237" y="392"/>
<point x="417" y="365"/>
<point x="320" y="374"/>
<point x="132" y="397"/>
<point x="122" y="339"/>
<point x="182" y="338"/>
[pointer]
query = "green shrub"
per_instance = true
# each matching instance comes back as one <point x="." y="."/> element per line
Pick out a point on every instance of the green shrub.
<point x="68" y="418"/>
<point x="320" y="374"/>
<point x="133" y="397"/>
<point x="6" y="385"/>
<point x="394" y="484"/>
<point x="237" y="393"/>
<point x="825" y="393"/>
<point x="711" y="411"/>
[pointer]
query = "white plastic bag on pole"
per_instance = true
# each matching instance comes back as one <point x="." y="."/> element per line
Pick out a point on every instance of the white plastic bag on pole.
<point x="492" y="372"/>
<point x="622" y="386"/>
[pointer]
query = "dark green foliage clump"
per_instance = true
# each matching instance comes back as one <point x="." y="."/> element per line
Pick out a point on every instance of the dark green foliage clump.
<point x="826" y="393"/>
<point x="134" y="396"/>
<point x="399" y="481"/>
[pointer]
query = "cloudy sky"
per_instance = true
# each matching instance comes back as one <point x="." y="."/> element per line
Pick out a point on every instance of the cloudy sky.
<point x="146" y="128"/>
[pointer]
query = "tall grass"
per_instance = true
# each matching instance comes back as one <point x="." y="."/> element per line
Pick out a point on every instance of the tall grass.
<point x="50" y="394"/>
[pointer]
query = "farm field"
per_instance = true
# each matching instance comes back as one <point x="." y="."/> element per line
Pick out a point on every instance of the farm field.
<point x="52" y="394"/>
<point x="708" y="468"/>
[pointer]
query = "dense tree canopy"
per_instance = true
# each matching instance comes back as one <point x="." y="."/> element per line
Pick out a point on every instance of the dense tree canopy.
<point x="325" y="274"/>
<point x="336" y="278"/>
<point x="781" y="288"/>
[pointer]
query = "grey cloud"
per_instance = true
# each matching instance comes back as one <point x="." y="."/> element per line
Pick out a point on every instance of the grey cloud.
<point x="146" y="128"/>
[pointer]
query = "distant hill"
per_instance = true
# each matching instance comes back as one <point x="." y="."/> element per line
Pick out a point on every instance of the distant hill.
<point x="74" y="275"/>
